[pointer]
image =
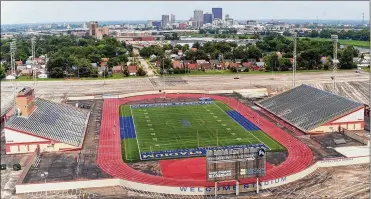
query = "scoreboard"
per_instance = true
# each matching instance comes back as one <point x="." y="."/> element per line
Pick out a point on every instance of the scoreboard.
<point x="235" y="164"/>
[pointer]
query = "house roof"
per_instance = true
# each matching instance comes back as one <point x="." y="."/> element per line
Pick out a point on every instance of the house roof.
<point x="132" y="69"/>
<point x="233" y="64"/>
<point x="247" y="64"/>
<point x="55" y="121"/>
<point x="260" y="64"/>
<point x="201" y="61"/>
<point x="206" y="65"/>
<point x="192" y="66"/>
<point x="307" y="107"/>
<point x="102" y="68"/>
<point x="194" y="49"/>
<point x="177" y="64"/>
<point x="117" y="68"/>
<point x="214" y="61"/>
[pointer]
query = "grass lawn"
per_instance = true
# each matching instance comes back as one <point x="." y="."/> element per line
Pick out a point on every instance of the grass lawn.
<point x="366" y="69"/>
<point x="342" y="41"/>
<point x="189" y="126"/>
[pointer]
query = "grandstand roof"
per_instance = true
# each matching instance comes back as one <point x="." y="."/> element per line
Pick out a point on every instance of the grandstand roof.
<point x="307" y="108"/>
<point x="55" y="121"/>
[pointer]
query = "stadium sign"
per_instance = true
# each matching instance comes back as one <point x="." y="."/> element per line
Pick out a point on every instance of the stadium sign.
<point x="196" y="152"/>
<point x="243" y="163"/>
<point x="171" y="104"/>
<point x="242" y="187"/>
<point x="219" y="174"/>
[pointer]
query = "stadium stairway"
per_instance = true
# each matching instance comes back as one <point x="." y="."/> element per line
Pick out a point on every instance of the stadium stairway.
<point x="110" y="158"/>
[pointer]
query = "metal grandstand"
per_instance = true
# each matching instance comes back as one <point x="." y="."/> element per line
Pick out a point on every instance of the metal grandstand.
<point x="55" y="121"/>
<point x="307" y="107"/>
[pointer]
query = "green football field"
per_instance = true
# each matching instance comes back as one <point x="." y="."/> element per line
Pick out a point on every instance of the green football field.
<point x="185" y="127"/>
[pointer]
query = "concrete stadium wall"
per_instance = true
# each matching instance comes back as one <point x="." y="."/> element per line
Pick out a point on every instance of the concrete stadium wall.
<point x="362" y="139"/>
<point x="57" y="186"/>
<point x="149" y="93"/>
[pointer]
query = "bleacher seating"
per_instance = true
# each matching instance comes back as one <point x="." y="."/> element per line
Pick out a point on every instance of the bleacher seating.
<point x="55" y="121"/>
<point x="306" y="107"/>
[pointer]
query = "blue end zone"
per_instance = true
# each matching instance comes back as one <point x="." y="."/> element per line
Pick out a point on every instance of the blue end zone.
<point x="245" y="123"/>
<point x="127" y="129"/>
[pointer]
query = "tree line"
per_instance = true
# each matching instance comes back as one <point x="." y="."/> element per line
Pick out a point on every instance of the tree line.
<point x="359" y="35"/>
<point x="309" y="53"/>
<point x="69" y="55"/>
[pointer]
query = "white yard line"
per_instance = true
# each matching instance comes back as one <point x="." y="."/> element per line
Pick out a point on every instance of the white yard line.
<point x="135" y="131"/>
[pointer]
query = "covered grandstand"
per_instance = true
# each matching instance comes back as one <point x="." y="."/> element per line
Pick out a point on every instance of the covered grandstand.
<point x="312" y="110"/>
<point x="42" y="124"/>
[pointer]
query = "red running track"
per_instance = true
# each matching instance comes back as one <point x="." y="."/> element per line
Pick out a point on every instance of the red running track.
<point x="109" y="153"/>
<point x="188" y="168"/>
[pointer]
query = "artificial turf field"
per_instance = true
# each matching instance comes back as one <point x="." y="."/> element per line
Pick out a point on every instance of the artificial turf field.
<point x="186" y="127"/>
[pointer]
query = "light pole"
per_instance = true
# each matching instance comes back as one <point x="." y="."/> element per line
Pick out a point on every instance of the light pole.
<point x="334" y="60"/>
<point x="294" y="64"/>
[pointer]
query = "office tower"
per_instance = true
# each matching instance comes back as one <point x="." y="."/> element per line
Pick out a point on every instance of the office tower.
<point x="199" y="18"/>
<point x="172" y="19"/>
<point x="93" y="26"/>
<point x="218" y="13"/>
<point x="208" y="18"/>
<point x="165" y="20"/>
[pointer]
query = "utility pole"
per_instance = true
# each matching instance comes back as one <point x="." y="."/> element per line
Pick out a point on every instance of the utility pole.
<point x="13" y="48"/>
<point x="294" y="61"/>
<point x="34" y="68"/>
<point x="334" y="60"/>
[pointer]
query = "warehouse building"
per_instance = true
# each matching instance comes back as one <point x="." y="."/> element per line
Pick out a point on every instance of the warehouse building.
<point x="43" y="124"/>
<point x="314" y="111"/>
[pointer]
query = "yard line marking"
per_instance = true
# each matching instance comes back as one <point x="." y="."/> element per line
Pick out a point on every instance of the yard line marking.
<point x="239" y="123"/>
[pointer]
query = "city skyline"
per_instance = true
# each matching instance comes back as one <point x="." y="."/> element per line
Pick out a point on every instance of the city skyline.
<point x="47" y="12"/>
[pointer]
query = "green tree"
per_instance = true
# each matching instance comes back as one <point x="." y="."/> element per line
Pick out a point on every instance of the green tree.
<point x="2" y="71"/>
<point x="196" y="45"/>
<point x="141" y="72"/>
<point x="115" y="61"/>
<point x="126" y="72"/>
<point x="346" y="59"/>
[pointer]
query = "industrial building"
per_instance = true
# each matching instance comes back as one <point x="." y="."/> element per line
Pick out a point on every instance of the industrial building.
<point x="42" y="124"/>
<point x="314" y="111"/>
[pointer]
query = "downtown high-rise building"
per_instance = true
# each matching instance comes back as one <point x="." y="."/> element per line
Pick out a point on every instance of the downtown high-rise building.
<point x="172" y="18"/>
<point x="208" y="18"/>
<point x="198" y="18"/>
<point x="165" y="20"/>
<point x="218" y="13"/>
<point x="93" y="27"/>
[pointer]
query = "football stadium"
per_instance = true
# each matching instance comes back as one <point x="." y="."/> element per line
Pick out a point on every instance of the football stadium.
<point x="186" y="144"/>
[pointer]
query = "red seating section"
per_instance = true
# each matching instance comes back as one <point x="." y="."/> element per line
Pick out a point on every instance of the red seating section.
<point x="109" y="153"/>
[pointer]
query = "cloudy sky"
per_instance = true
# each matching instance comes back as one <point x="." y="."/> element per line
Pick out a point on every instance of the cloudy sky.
<point x="13" y="12"/>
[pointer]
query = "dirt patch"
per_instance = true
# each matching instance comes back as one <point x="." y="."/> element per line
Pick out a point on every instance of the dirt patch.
<point x="149" y="167"/>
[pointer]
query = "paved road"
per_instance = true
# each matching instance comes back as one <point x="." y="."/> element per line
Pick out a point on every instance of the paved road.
<point x="216" y="82"/>
<point x="146" y="67"/>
